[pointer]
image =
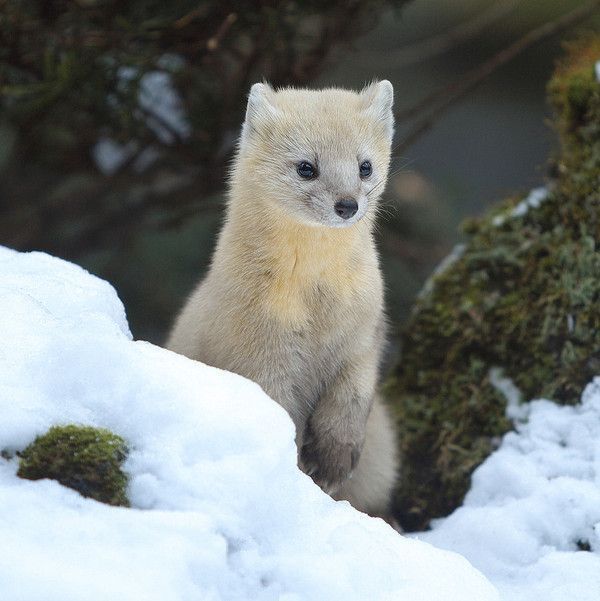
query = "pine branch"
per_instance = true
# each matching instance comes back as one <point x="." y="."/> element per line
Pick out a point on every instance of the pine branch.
<point x="439" y="44"/>
<point x="450" y="95"/>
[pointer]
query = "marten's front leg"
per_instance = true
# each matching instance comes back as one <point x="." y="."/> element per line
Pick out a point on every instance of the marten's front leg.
<point x="335" y="432"/>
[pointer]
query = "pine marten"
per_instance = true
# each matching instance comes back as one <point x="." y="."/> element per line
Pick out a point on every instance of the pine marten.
<point x="293" y="298"/>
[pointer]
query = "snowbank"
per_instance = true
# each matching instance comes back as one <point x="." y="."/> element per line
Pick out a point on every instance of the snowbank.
<point x="220" y="510"/>
<point x="533" y="504"/>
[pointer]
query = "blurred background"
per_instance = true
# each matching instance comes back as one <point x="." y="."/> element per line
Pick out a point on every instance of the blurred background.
<point x="118" y="120"/>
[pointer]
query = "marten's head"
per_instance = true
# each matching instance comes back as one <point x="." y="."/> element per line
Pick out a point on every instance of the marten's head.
<point x="320" y="156"/>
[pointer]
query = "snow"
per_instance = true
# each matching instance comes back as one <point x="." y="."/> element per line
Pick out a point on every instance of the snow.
<point x="532" y="201"/>
<point x="163" y="105"/>
<point x="455" y="255"/>
<point x="109" y="155"/>
<point x="531" y="502"/>
<point x="219" y="508"/>
<point x="515" y="409"/>
<point x="160" y="106"/>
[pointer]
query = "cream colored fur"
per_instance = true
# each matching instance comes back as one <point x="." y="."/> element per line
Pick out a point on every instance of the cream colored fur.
<point x="294" y="296"/>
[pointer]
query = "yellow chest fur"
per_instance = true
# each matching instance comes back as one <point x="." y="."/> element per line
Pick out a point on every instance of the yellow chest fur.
<point x="306" y="263"/>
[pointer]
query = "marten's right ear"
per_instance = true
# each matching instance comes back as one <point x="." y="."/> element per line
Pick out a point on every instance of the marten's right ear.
<point x="260" y="107"/>
<point x="378" y="99"/>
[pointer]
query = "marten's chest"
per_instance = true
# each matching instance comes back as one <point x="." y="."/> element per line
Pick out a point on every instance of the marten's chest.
<point x="308" y="293"/>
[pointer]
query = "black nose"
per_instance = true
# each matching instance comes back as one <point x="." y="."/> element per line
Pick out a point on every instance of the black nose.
<point x="346" y="208"/>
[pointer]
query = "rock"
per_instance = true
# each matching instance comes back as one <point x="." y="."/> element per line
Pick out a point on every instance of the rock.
<point x="85" y="459"/>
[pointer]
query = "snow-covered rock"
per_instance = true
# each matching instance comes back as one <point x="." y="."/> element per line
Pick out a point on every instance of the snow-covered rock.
<point x="219" y="508"/>
<point x="533" y="504"/>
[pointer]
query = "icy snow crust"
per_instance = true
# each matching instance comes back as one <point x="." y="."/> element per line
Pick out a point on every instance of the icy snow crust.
<point x="530" y="504"/>
<point x="220" y="510"/>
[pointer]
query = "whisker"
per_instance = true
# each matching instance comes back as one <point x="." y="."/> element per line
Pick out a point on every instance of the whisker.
<point x="406" y="159"/>
<point x="375" y="187"/>
<point x="399" y="169"/>
<point x="387" y="210"/>
<point x="391" y="174"/>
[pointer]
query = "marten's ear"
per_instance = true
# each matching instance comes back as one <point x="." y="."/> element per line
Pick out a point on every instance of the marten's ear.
<point x="260" y="107"/>
<point x="379" y="99"/>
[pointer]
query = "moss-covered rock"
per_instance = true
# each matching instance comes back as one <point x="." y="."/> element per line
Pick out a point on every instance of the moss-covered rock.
<point x="83" y="458"/>
<point x="523" y="296"/>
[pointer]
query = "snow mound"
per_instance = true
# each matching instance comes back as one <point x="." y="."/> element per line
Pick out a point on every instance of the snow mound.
<point x="219" y="508"/>
<point x="531" y="521"/>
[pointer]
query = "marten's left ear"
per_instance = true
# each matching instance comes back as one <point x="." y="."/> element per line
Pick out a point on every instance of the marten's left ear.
<point x="260" y="107"/>
<point x="379" y="99"/>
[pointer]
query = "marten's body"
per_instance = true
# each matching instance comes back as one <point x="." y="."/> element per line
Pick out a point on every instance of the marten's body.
<point x="294" y="296"/>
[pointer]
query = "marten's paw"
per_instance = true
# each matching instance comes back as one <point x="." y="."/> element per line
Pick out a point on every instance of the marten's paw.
<point x="328" y="460"/>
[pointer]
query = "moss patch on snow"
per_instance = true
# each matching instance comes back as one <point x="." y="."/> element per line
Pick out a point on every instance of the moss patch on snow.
<point x="85" y="459"/>
<point x="523" y="296"/>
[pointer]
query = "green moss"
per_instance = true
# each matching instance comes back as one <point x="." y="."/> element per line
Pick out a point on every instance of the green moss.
<point x="83" y="458"/>
<point x="524" y="296"/>
<point x="573" y="90"/>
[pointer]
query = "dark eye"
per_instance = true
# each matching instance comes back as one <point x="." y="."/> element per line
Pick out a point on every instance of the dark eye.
<point x="365" y="169"/>
<point x="306" y="170"/>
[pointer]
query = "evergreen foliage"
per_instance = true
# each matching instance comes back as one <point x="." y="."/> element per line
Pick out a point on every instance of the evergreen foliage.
<point x="72" y="71"/>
